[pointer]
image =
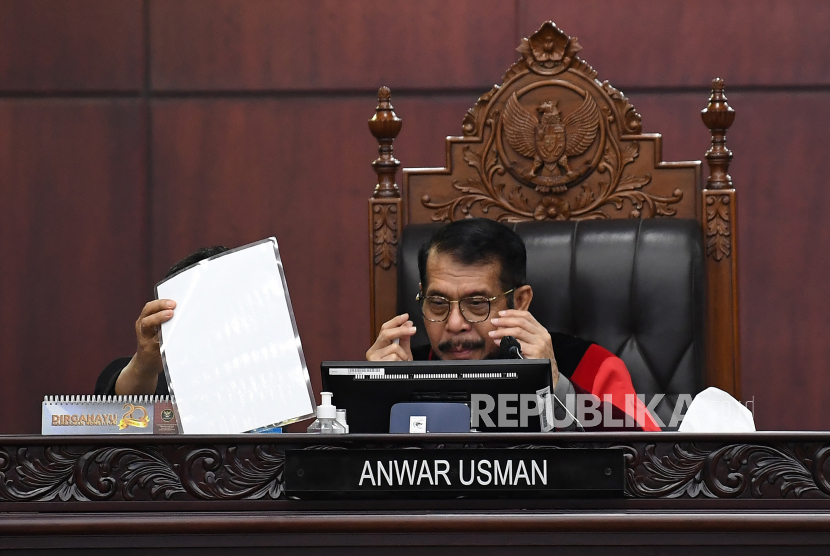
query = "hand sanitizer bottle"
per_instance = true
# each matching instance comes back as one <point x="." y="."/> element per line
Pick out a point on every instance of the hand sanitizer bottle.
<point x="341" y="418"/>
<point x="326" y="422"/>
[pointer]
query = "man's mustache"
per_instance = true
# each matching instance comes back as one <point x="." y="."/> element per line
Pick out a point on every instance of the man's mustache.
<point x="461" y="344"/>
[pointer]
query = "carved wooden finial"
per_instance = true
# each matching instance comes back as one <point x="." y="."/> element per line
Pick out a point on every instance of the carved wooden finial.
<point x="718" y="116"/>
<point x="384" y="94"/>
<point x="385" y="126"/>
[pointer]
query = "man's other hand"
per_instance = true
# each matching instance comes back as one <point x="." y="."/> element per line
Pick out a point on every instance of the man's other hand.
<point x="140" y="376"/>
<point x="533" y="337"/>
<point x="386" y="348"/>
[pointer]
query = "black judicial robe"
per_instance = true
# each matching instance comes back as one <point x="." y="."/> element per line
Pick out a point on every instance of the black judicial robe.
<point x="105" y="385"/>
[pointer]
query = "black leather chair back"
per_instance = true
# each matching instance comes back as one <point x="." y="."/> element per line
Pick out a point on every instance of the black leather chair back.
<point x="634" y="287"/>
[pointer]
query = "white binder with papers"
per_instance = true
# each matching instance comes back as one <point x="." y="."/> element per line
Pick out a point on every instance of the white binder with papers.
<point x="232" y="354"/>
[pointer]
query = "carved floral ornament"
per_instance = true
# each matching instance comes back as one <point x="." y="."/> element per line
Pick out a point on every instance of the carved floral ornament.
<point x="718" y="226"/>
<point x="552" y="135"/>
<point x="69" y="473"/>
<point x="549" y="51"/>
<point x="385" y="234"/>
<point x="730" y="471"/>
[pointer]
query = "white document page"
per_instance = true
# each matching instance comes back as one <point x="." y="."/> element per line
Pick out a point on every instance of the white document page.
<point x="231" y="352"/>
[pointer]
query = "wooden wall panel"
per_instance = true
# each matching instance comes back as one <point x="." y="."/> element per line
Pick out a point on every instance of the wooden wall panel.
<point x="72" y="249"/>
<point x="783" y="241"/>
<point x="329" y="44"/>
<point x="428" y="121"/>
<point x="673" y="43"/>
<point x="71" y="45"/>
<point x="784" y="245"/>
<point x="223" y="176"/>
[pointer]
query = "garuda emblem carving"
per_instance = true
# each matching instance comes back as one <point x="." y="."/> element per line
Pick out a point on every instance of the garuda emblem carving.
<point x="551" y="140"/>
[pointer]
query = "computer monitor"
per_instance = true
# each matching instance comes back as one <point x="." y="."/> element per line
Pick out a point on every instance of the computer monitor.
<point x="509" y="388"/>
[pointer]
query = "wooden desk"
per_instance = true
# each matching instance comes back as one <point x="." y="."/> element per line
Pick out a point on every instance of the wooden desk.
<point x="685" y="494"/>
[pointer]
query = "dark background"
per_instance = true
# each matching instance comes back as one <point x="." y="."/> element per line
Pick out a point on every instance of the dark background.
<point x="132" y="132"/>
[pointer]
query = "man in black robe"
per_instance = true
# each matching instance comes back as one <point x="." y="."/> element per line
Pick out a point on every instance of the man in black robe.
<point x="473" y="293"/>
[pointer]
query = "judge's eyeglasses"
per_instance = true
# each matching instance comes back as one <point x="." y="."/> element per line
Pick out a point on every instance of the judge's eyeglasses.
<point x="436" y="308"/>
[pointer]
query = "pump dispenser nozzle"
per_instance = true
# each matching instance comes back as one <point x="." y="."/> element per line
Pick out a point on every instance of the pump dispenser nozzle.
<point x="326" y="422"/>
<point x="326" y="410"/>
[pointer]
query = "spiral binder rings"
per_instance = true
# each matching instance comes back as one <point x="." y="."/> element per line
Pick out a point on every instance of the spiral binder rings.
<point x="84" y="415"/>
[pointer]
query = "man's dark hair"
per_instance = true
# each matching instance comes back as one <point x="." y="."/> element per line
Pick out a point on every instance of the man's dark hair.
<point x="198" y="255"/>
<point x="477" y="241"/>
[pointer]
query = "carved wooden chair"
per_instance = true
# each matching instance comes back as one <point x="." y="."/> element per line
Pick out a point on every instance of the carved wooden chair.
<point x="623" y="248"/>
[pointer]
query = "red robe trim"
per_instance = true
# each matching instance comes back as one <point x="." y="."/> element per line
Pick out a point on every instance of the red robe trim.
<point x="603" y="374"/>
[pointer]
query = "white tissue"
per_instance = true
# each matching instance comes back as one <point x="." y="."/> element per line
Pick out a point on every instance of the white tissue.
<point x="713" y="410"/>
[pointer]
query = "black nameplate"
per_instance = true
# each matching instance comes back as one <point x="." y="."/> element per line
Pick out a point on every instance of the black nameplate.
<point x="521" y="473"/>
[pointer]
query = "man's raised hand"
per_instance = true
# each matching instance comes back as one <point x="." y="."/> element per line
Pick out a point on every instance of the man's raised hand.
<point x="140" y="376"/>
<point x="386" y="348"/>
<point x="147" y="327"/>
<point x="534" y="338"/>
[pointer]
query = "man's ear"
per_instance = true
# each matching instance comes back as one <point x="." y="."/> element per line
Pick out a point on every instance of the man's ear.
<point x="522" y="297"/>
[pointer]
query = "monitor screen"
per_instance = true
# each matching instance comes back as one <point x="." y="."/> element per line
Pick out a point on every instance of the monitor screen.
<point x="503" y="394"/>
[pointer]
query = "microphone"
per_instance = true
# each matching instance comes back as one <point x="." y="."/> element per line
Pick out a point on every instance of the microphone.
<point x="511" y="348"/>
